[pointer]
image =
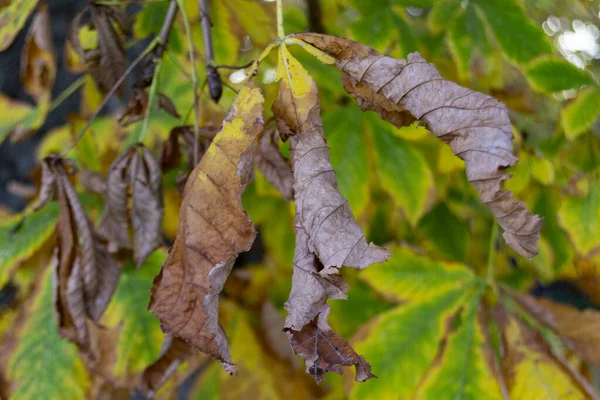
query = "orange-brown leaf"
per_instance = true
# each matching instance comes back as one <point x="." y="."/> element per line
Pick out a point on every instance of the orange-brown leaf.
<point x="213" y="230"/>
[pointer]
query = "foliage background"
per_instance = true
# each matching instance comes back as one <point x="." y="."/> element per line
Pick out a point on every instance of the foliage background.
<point x="404" y="186"/>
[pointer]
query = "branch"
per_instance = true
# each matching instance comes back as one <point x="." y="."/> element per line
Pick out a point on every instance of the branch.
<point x="160" y="41"/>
<point x="313" y="9"/>
<point x="213" y="78"/>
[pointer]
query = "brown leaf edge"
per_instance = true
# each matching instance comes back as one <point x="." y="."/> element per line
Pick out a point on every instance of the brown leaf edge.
<point x="474" y="125"/>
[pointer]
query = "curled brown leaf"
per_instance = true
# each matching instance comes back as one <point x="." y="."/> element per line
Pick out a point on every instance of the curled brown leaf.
<point x="474" y="125"/>
<point x="213" y="230"/>
<point x="327" y="235"/>
<point x="165" y="103"/>
<point x="174" y="351"/>
<point x="275" y="168"/>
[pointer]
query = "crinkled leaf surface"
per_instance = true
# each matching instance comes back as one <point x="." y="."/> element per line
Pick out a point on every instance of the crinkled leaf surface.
<point x="474" y="125"/>
<point x="213" y="230"/>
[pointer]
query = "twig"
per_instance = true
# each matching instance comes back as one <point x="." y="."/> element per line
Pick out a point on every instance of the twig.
<point x="160" y="41"/>
<point x="215" y="88"/>
<point x="313" y="10"/>
<point x="491" y="253"/>
<point x="280" y="31"/>
<point x="151" y="97"/>
<point x="188" y="33"/>
<point x="67" y="92"/>
<point x="109" y="95"/>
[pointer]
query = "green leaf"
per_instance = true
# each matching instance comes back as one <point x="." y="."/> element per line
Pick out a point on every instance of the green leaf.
<point x="466" y="35"/>
<point x="580" y="115"/>
<point x="518" y="36"/>
<point x="12" y="19"/>
<point x="20" y="237"/>
<point x="375" y="25"/>
<point x="345" y="137"/>
<point x="448" y="233"/>
<point x="403" y="343"/>
<point x="406" y="36"/>
<point x="44" y="365"/>
<point x="579" y="217"/>
<point x="442" y="14"/>
<point x="402" y="170"/>
<point x="407" y="276"/>
<point x="462" y="372"/>
<point x="551" y="74"/>
<point x="141" y="337"/>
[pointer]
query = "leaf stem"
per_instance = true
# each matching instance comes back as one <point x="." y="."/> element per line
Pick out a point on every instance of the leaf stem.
<point x="188" y="34"/>
<point x="65" y="94"/>
<point x="151" y="97"/>
<point x="280" y="31"/>
<point x="491" y="252"/>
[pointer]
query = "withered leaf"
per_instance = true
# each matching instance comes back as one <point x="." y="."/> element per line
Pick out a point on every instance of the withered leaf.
<point x="93" y="182"/>
<point x="474" y="125"/>
<point x="47" y="188"/>
<point x="147" y="207"/>
<point x="171" y="150"/>
<point x="85" y="275"/>
<point x="174" y="351"/>
<point x="113" y="226"/>
<point x="273" y="165"/>
<point x="107" y="62"/>
<point x="38" y="62"/>
<point x="326" y="351"/>
<point x="579" y="328"/>
<point x="213" y="230"/>
<point x="136" y="107"/>
<point x="165" y="103"/>
<point x="136" y="169"/>
<point x="327" y="236"/>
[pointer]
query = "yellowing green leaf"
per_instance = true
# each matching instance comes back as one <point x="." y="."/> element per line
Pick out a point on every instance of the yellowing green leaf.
<point x="580" y="115"/>
<point x="542" y="170"/>
<point x="403" y="344"/>
<point x="407" y="276"/>
<point x="448" y="234"/>
<point x="346" y="139"/>
<point x="141" y="338"/>
<point x="579" y="217"/>
<point x="463" y="372"/>
<point x="12" y="19"/>
<point x="21" y="236"/>
<point x="551" y="74"/>
<point x="402" y="170"/>
<point x="44" y="365"/>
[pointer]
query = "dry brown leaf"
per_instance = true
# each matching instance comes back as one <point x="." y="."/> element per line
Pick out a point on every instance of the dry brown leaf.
<point x="38" y="61"/>
<point x="171" y="149"/>
<point x="327" y="236"/>
<point x="136" y="107"/>
<point x="106" y="63"/>
<point x="579" y="328"/>
<point x="165" y="103"/>
<point x="474" y="125"/>
<point x="275" y="168"/>
<point x="323" y="350"/>
<point x="113" y="226"/>
<point x="147" y="206"/>
<point x="272" y="323"/>
<point x="174" y="351"/>
<point x="213" y="230"/>
<point x="85" y="275"/>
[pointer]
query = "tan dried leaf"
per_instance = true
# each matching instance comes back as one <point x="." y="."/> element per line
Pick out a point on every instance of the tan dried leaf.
<point x="275" y="168"/>
<point x="327" y="236"/>
<point x="213" y="230"/>
<point x="174" y="351"/>
<point x="165" y="103"/>
<point x="136" y="107"/>
<point x="323" y="350"/>
<point x="578" y="328"/>
<point x="474" y="125"/>
<point x="113" y="226"/>
<point x="93" y="182"/>
<point x="147" y="206"/>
